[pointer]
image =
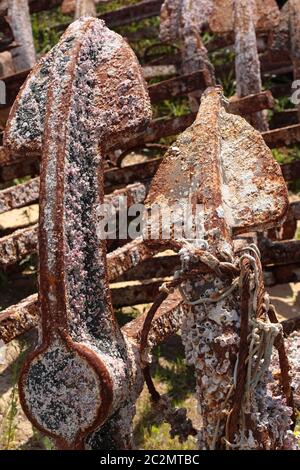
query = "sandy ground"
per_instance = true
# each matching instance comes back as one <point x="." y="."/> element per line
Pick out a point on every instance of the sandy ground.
<point x="286" y="299"/>
<point x="15" y="429"/>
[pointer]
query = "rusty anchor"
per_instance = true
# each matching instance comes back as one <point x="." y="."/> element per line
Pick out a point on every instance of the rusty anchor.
<point x="243" y="18"/>
<point x="87" y="92"/>
<point x="223" y="164"/>
<point x="85" y="8"/>
<point x="184" y="20"/>
<point x="215" y="249"/>
<point x="80" y="7"/>
<point x="286" y="37"/>
<point x="24" y="56"/>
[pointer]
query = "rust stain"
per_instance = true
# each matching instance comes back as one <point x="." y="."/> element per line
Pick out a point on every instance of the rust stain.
<point x="91" y="69"/>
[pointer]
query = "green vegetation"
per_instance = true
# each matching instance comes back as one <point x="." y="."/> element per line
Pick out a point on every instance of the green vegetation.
<point x="170" y="374"/>
<point x="9" y="422"/>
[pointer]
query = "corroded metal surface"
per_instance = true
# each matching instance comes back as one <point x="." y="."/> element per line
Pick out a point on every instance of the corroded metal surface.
<point x="20" y="195"/>
<point x="184" y="20"/>
<point x="265" y="13"/>
<point x="77" y="318"/>
<point x="290" y="325"/>
<point x="250" y="198"/>
<point x="203" y="160"/>
<point x="19" y="18"/>
<point x="21" y="243"/>
<point x="244" y="17"/>
<point x="19" y="318"/>
<point x="85" y="8"/>
<point x="155" y="130"/>
<point x="127" y="257"/>
<point x="287" y="35"/>
<point x="284" y="252"/>
<point x="40" y="5"/>
<point x="147" y="268"/>
<point x="172" y="12"/>
<point x="80" y="7"/>
<point x="15" y="247"/>
<point x="167" y="320"/>
<point x="285" y="136"/>
<point x="130" y="13"/>
<point x="116" y="430"/>
<point x="7" y="37"/>
<point x="247" y="66"/>
<point x="177" y="86"/>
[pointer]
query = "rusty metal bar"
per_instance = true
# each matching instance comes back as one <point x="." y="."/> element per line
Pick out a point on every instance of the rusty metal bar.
<point x="19" y="244"/>
<point x="24" y="167"/>
<point x="14" y="247"/>
<point x="117" y="177"/>
<point x="127" y="257"/>
<point x="267" y="66"/>
<point x="280" y="137"/>
<point x="158" y="91"/>
<point x="285" y="252"/>
<point x="38" y="5"/>
<point x="168" y="127"/>
<point x="24" y="55"/>
<point x="281" y="274"/>
<point x="19" y="195"/>
<point x="138" y="292"/>
<point x="163" y="266"/>
<point x="19" y="318"/>
<point x="8" y="47"/>
<point x="291" y="171"/>
<point x="215" y="183"/>
<point x="27" y="193"/>
<point x="7" y="37"/>
<point x="184" y="21"/>
<point x="288" y="117"/>
<point x="295" y="206"/>
<point x="178" y="86"/>
<point x="154" y="71"/>
<point x="126" y="15"/>
<point x="280" y="89"/>
<point x="24" y="316"/>
<point x="166" y="322"/>
<point x="73" y="286"/>
<point x="290" y="325"/>
<point x="121" y="176"/>
<point x="247" y="65"/>
<point x="14" y="82"/>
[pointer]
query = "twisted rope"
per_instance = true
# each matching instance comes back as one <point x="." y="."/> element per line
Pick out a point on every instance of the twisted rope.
<point x="257" y="334"/>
